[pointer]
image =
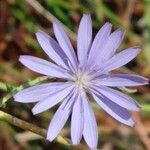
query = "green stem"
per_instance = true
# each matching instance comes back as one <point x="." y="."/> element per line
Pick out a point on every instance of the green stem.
<point x="30" y="127"/>
<point x="5" y="86"/>
<point x="14" y="89"/>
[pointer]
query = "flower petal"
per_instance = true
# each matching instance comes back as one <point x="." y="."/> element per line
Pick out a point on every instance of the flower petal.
<point x="90" y="131"/>
<point x="42" y="66"/>
<point x="77" y="121"/>
<point x="38" y="92"/>
<point x="111" y="45"/>
<point x="120" y="80"/>
<point x="99" y="43"/>
<point x="120" y="59"/>
<point x="118" y="98"/>
<point x="84" y="38"/>
<point x="64" y="42"/>
<point x="60" y="117"/>
<point x="119" y="113"/>
<point x="51" y="100"/>
<point x="52" y="49"/>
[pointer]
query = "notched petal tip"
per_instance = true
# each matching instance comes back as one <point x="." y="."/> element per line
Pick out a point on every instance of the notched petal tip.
<point x="57" y="25"/>
<point x="49" y="138"/>
<point x="131" y="123"/>
<point x="108" y="24"/>
<point x="23" y="57"/>
<point x="20" y="57"/>
<point x="34" y="111"/>
<point x="86" y="18"/>
<point x="56" y="22"/>
<point x="39" y="32"/>
<point x="147" y="81"/>
<point x="137" y="108"/>
<point x="121" y="31"/>
<point x="137" y="49"/>
<point x="88" y="15"/>
<point x="40" y="35"/>
<point x="75" y="142"/>
<point x="16" y="98"/>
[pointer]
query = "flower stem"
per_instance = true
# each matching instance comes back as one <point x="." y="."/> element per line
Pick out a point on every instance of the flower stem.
<point x="14" y="89"/>
<point x="30" y="127"/>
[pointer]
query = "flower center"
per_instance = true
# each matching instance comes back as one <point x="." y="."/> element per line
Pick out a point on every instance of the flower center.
<point x="81" y="80"/>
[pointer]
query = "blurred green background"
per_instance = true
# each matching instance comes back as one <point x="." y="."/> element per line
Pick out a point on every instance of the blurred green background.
<point x="20" y="19"/>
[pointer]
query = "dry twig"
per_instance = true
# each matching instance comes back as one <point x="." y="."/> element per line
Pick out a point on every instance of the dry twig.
<point x="140" y="129"/>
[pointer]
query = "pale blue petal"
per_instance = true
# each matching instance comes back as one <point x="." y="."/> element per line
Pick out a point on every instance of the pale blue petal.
<point x="117" y="112"/>
<point x="90" y="131"/>
<point x="60" y="117"/>
<point x="111" y="45"/>
<point x="38" y="92"/>
<point x="42" y="66"/>
<point x="84" y="38"/>
<point x="118" y="97"/>
<point x="98" y="43"/>
<point x="120" y="80"/>
<point x="77" y="121"/>
<point x="120" y="59"/>
<point x="52" y="49"/>
<point x="64" y="42"/>
<point x="51" y="100"/>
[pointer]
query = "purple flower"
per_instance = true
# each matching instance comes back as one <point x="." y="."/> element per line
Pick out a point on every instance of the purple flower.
<point x="88" y="72"/>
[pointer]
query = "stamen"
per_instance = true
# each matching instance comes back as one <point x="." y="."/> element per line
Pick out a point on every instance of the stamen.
<point x="82" y="80"/>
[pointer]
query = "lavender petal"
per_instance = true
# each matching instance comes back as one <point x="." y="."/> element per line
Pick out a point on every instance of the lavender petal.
<point x="111" y="45"/>
<point x="119" y="80"/>
<point x="51" y="100"/>
<point x="60" y="117"/>
<point x="64" y="42"/>
<point x="120" y="59"/>
<point x="52" y="49"/>
<point x="90" y="131"/>
<point x="42" y="66"/>
<point x="38" y="92"/>
<point x="118" y="97"/>
<point x="84" y="33"/>
<point x="77" y="121"/>
<point x="98" y="43"/>
<point x="117" y="112"/>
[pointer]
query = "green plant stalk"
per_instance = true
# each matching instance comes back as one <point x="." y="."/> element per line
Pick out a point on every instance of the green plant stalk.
<point x="30" y="127"/>
<point x="14" y="89"/>
<point x="5" y="86"/>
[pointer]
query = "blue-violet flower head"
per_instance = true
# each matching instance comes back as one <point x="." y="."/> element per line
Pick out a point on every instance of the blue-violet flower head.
<point x="87" y="72"/>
